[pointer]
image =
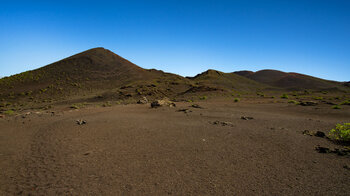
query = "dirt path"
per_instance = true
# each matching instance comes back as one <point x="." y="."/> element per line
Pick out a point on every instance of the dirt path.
<point x="135" y="150"/>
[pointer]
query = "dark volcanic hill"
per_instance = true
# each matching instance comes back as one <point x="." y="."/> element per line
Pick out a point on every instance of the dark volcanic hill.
<point x="92" y="73"/>
<point x="290" y="81"/>
<point x="227" y="80"/>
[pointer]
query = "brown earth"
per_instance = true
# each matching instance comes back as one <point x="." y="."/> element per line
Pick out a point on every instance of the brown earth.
<point x="138" y="150"/>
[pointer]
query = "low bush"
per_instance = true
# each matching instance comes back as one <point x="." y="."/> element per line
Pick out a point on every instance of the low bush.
<point x="341" y="132"/>
<point x="347" y="102"/>
<point x="9" y="112"/>
<point x="336" y="107"/>
<point x="236" y="100"/>
<point x="293" y="101"/>
<point x="284" y="96"/>
<point x="203" y="98"/>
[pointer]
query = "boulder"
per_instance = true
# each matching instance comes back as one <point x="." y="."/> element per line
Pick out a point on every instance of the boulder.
<point x="320" y="134"/>
<point x="144" y="100"/>
<point x="81" y="122"/>
<point x="163" y="102"/>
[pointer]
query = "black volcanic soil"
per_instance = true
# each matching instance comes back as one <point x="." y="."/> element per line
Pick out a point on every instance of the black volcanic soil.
<point x="136" y="150"/>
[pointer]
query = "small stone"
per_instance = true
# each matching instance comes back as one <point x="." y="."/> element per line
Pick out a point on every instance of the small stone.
<point x="320" y="134"/>
<point x="223" y="123"/>
<point x="322" y="149"/>
<point x="196" y="106"/>
<point x="308" y="103"/>
<point x="163" y="102"/>
<point x="144" y="100"/>
<point x="184" y="111"/>
<point x="246" y="118"/>
<point x="81" y="122"/>
<point x="307" y="132"/>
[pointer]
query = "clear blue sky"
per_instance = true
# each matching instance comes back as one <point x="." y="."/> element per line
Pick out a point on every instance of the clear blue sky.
<point x="183" y="37"/>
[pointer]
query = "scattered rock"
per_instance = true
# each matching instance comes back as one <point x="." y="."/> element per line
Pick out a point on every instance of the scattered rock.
<point x="340" y="152"/>
<point x="144" y="100"/>
<point x="320" y="134"/>
<point x="196" y="106"/>
<point x="184" y="111"/>
<point x="307" y="132"/>
<point x="346" y="167"/>
<point x="246" y="118"/>
<point x="223" y="123"/>
<point x="2" y="116"/>
<point x="308" y="103"/>
<point x="87" y="153"/>
<point x="312" y="133"/>
<point x="322" y="149"/>
<point x="81" y="122"/>
<point x="163" y="102"/>
<point x="329" y="103"/>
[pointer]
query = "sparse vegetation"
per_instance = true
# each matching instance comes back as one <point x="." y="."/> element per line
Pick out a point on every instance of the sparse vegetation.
<point x="107" y="104"/>
<point x="347" y="102"/>
<point x="341" y="132"/>
<point x="318" y="98"/>
<point x="78" y="105"/>
<point x="284" y="96"/>
<point x="236" y="100"/>
<point x="74" y="106"/>
<point x="336" y="107"/>
<point x="203" y="98"/>
<point x="293" y="102"/>
<point x="9" y="112"/>
<point x="260" y="94"/>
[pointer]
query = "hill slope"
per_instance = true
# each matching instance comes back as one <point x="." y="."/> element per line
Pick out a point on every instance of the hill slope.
<point x="290" y="81"/>
<point x="227" y="81"/>
<point x="94" y="72"/>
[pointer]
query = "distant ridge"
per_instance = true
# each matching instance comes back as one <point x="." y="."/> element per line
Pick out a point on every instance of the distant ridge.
<point x="289" y="80"/>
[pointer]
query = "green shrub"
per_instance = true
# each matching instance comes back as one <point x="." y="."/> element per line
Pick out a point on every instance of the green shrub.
<point x="318" y="98"/>
<point x="203" y="98"/>
<point x="107" y="104"/>
<point x="284" y="96"/>
<point x="293" y="101"/>
<point x="336" y="107"/>
<point x="9" y="112"/>
<point x="236" y="100"/>
<point x="347" y="102"/>
<point x="341" y="132"/>
<point x="74" y="106"/>
<point x="260" y="94"/>
<point x="190" y="101"/>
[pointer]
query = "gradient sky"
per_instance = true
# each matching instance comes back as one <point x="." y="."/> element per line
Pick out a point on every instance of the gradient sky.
<point x="184" y="37"/>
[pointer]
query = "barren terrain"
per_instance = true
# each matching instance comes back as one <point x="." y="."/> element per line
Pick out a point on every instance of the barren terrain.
<point x="138" y="150"/>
